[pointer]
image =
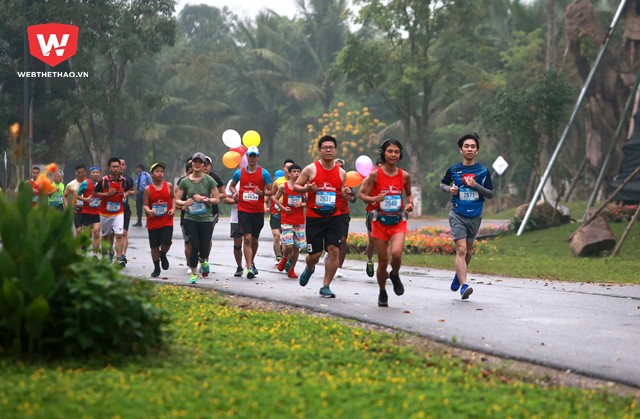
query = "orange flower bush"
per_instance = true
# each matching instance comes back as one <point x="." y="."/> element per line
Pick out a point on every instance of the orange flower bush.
<point x="430" y="240"/>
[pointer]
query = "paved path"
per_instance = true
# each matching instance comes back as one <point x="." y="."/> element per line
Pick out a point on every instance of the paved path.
<point x="586" y="328"/>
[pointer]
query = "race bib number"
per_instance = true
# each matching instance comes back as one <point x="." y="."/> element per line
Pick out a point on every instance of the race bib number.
<point x="197" y="208"/>
<point x="113" y="206"/>
<point x="292" y="200"/>
<point x="325" y="199"/>
<point x="250" y="196"/>
<point x="95" y="202"/>
<point x="391" y="203"/>
<point x="160" y="208"/>
<point x="467" y="194"/>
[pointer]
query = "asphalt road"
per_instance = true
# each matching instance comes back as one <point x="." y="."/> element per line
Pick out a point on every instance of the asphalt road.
<point x="591" y="329"/>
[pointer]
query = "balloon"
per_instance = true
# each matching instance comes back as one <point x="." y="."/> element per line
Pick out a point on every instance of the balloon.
<point x="354" y="179"/>
<point x="231" y="159"/>
<point x="243" y="161"/>
<point x="364" y="165"/>
<point x="231" y="138"/>
<point x="240" y="150"/>
<point x="250" y="138"/>
<point x="279" y="173"/>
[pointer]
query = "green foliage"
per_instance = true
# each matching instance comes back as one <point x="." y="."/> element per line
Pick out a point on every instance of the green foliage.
<point x="99" y="311"/>
<point x="53" y="301"/>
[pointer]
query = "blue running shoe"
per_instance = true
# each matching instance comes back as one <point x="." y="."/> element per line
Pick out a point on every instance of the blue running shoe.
<point x="455" y="284"/>
<point x="204" y="268"/>
<point x="287" y="266"/>
<point x="254" y="269"/>
<point x="326" y="292"/>
<point x="304" y="277"/>
<point x="193" y="279"/>
<point x="466" y="291"/>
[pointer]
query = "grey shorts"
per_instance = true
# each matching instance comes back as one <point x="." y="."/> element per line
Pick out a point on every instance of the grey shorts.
<point x="464" y="227"/>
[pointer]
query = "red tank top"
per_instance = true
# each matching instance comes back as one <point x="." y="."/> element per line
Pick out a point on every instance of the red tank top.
<point x="92" y="207"/>
<point x="324" y="198"/>
<point x="111" y="206"/>
<point x="248" y="199"/>
<point x="392" y="187"/>
<point x="160" y="201"/>
<point x="289" y="198"/>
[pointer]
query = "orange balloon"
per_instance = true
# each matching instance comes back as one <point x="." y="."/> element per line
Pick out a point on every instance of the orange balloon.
<point x="354" y="179"/>
<point x="231" y="159"/>
<point x="52" y="168"/>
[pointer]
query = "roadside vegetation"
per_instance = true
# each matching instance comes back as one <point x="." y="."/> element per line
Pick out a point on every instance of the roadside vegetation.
<point x="226" y="360"/>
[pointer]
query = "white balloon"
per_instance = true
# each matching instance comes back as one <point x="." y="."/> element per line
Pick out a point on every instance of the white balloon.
<point x="364" y="165"/>
<point x="243" y="161"/>
<point x="231" y="138"/>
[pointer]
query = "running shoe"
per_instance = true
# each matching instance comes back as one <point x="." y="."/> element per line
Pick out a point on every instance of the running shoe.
<point x="278" y="259"/>
<point x="291" y="274"/>
<point x="156" y="272"/>
<point x="326" y="292"/>
<point x="122" y="261"/>
<point x="254" y="269"/>
<point x="204" y="268"/>
<point x="339" y="273"/>
<point x="164" y="261"/>
<point x="466" y="291"/>
<point x="287" y="266"/>
<point x="383" y="299"/>
<point x="238" y="272"/>
<point x="110" y="257"/>
<point x="304" y="276"/>
<point x="398" y="288"/>
<point x="370" y="269"/>
<point x="455" y="284"/>
<point x="250" y="274"/>
<point x="281" y="264"/>
<point x="193" y="279"/>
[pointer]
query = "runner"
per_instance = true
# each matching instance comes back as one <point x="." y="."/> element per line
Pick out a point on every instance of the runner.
<point x="129" y="190"/>
<point x="91" y="207"/>
<point x="275" y="217"/>
<point x="370" y="269"/>
<point x="383" y="188"/>
<point x="111" y="191"/>
<point x="234" y="229"/>
<point x="187" y="246"/>
<point x="215" y="210"/>
<point x="56" y="196"/>
<point x="255" y="184"/>
<point x="141" y="180"/>
<point x="469" y="183"/>
<point x="158" y="204"/>
<point x="322" y="180"/>
<point x="35" y="171"/>
<point x="293" y="221"/>
<point x="71" y="197"/>
<point x="197" y="192"/>
<point x="342" y="204"/>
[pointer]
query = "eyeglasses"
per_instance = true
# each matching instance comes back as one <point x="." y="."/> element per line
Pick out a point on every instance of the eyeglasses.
<point x="327" y="148"/>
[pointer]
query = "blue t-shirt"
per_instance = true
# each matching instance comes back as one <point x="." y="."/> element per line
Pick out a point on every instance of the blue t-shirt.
<point x="265" y="175"/>
<point x="468" y="201"/>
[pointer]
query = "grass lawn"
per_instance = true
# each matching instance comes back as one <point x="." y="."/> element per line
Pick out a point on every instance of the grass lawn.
<point x="230" y="361"/>
<point x="544" y="254"/>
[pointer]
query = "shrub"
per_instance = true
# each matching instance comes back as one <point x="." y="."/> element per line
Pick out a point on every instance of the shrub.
<point x="53" y="300"/>
<point x="619" y="213"/>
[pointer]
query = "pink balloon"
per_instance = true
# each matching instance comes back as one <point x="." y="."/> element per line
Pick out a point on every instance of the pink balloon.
<point x="243" y="161"/>
<point x="364" y="165"/>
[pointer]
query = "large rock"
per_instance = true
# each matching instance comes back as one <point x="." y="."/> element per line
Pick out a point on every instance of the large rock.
<point x="593" y="238"/>
<point x="544" y="215"/>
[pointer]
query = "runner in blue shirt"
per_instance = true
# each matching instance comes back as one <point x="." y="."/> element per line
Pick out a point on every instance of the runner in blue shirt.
<point x="469" y="183"/>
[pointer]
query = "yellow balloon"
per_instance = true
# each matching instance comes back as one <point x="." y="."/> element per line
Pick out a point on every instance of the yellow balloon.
<point x="231" y="159"/>
<point x="251" y="138"/>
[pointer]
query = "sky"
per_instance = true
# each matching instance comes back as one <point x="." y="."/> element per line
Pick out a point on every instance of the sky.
<point x="246" y="8"/>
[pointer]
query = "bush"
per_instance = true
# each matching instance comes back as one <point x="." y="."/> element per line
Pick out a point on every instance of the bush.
<point x="53" y="300"/>
<point x="619" y="213"/>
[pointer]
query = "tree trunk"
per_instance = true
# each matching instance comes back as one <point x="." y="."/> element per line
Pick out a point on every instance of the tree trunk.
<point x="552" y="47"/>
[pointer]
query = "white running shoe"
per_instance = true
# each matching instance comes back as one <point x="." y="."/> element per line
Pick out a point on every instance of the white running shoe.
<point x="339" y="273"/>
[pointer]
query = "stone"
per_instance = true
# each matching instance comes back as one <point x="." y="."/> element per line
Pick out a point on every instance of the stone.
<point x="544" y="215"/>
<point x="593" y="238"/>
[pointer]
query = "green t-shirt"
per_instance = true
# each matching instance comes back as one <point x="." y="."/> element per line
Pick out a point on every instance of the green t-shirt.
<point x="198" y="211"/>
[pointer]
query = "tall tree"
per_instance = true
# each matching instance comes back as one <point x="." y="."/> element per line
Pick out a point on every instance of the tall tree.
<point x="417" y="46"/>
<point x="113" y="34"/>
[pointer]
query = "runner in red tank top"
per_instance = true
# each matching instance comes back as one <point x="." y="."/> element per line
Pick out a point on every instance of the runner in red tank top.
<point x="367" y="222"/>
<point x="323" y="181"/>
<point x="91" y="207"/>
<point x="293" y="221"/>
<point x="159" y="204"/>
<point x="383" y="188"/>
<point x="342" y="203"/>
